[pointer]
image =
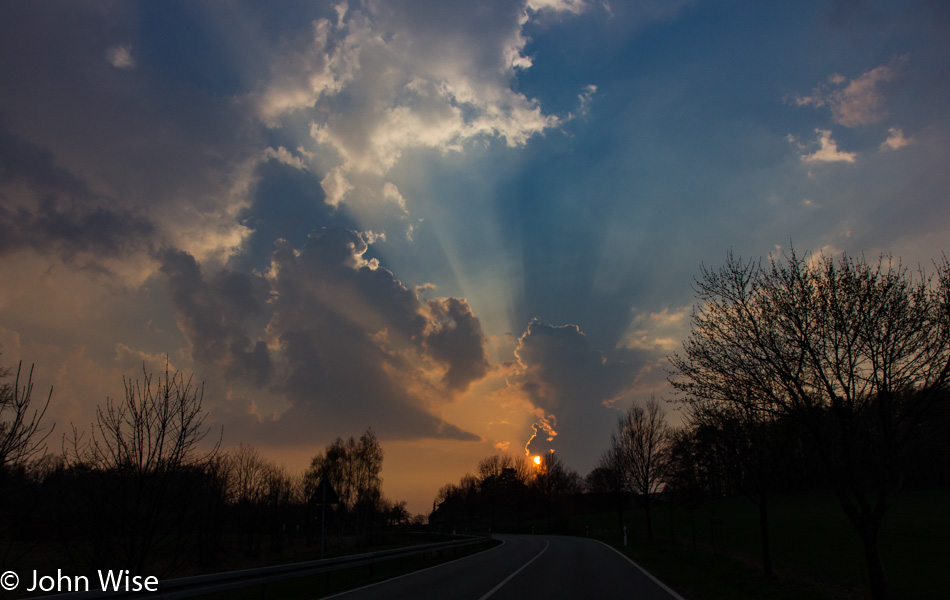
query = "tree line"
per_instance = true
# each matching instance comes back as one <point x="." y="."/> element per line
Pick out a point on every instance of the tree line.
<point x="148" y="487"/>
<point x="506" y="493"/>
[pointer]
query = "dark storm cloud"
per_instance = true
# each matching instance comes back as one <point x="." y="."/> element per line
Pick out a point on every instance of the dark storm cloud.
<point x="213" y="315"/>
<point x="287" y="203"/>
<point x="329" y="341"/>
<point x="455" y="340"/>
<point x="564" y="376"/>
<point x="22" y="161"/>
<point x="563" y="369"/>
<point x="48" y="209"/>
<point x="85" y="84"/>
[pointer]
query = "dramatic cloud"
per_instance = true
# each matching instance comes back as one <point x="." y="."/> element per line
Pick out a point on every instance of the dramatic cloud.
<point x="453" y="338"/>
<point x="378" y="79"/>
<point x="328" y="339"/>
<point x="212" y="314"/>
<point x="572" y="386"/>
<point x="48" y="209"/>
<point x="144" y="142"/>
<point x="346" y="214"/>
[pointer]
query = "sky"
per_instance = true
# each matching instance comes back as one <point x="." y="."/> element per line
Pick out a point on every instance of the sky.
<point x="471" y="226"/>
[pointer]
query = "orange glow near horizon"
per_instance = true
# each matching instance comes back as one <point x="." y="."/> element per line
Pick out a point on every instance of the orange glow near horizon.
<point x="537" y="460"/>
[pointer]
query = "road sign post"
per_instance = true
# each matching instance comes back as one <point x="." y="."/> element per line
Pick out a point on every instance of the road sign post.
<point x="322" y="496"/>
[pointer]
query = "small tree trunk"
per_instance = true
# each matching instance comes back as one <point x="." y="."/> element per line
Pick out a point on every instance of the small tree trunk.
<point x="672" y="524"/>
<point x="764" y="535"/>
<point x="869" y="535"/>
<point x="646" y="509"/>
<point x="620" y="508"/>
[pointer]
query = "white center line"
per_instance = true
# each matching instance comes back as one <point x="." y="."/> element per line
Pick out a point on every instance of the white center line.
<point x="507" y="579"/>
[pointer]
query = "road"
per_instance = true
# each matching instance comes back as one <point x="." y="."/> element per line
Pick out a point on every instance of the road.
<point x="525" y="566"/>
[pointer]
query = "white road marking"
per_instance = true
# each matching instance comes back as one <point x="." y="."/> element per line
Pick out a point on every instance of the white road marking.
<point x="507" y="579"/>
<point x="644" y="571"/>
<point x="411" y="573"/>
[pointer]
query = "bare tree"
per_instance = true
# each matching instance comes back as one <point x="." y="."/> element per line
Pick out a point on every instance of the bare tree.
<point x="855" y="352"/>
<point x="153" y="428"/>
<point x="641" y="442"/>
<point x="145" y="453"/>
<point x="610" y="477"/>
<point x="22" y="446"/>
<point x="21" y="436"/>
<point x="247" y="475"/>
<point x="247" y="488"/>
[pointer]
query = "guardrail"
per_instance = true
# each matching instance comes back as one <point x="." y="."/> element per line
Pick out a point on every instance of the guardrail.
<point x="188" y="587"/>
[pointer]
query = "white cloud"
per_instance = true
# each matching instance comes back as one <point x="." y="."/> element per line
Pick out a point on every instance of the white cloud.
<point x="340" y="9"/>
<point x="657" y="331"/>
<point x="895" y="140"/>
<point x="120" y="56"/>
<point x="585" y="97"/>
<point x="336" y="186"/>
<point x="858" y="103"/>
<point x="283" y="156"/>
<point x="391" y="194"/>
<point x="828" y="150"/>
<point x="301" y="77"/>
<point x="573" y="6"/>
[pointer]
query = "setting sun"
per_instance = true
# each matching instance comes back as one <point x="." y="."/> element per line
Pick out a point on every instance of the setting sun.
<point x="537" y="460"/>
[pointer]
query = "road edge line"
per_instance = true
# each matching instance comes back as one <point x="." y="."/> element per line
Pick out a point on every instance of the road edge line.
<point x="665" y="587"/>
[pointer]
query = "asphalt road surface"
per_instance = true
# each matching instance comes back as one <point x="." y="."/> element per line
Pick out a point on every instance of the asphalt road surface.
<point x="524" y="567"/>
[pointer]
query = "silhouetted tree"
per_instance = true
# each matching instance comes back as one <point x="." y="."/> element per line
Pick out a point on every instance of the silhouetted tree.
<point x="554" y="480"/>
<point x="505" y="490"/>
<point x="856" y="353"/>
<point x="353" y="468"/>
<point x="503" y="484"/>
<point x="684" y="472"/>
<point x="21" y="436"/>
<point x="610" y="477"/>
<point x="22" y="445"/>
<point x="248" y="474"/>
<point x="641" y="444"/>
<point x="143" y="471"/>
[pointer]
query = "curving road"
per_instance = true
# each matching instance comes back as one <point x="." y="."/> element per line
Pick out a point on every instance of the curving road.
<point x="526" y="565"/>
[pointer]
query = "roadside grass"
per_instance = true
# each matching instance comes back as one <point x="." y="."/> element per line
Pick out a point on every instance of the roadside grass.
<point x="713" y="552"/>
